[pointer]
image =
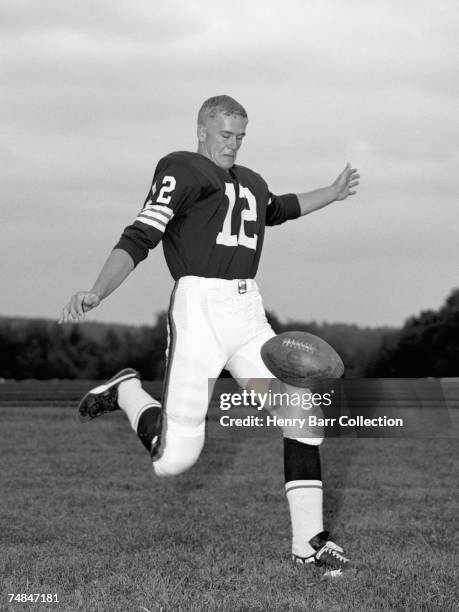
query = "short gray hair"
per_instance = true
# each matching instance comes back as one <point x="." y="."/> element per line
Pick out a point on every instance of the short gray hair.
<point x="220" y="104"/>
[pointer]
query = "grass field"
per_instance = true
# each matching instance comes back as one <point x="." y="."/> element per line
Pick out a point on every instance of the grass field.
<point x="83" y="517"/>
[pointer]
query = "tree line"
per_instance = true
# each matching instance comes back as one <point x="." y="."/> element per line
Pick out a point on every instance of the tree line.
<point x="426" y="345"/>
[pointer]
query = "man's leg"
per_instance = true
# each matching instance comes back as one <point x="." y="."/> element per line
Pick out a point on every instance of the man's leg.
<point x="302" y="469"/>
<point x="191" y="364"/>
<point x="173" y="432"/>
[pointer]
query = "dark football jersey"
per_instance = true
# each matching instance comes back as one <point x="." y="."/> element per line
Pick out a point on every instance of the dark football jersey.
<point x="211" y="222"/>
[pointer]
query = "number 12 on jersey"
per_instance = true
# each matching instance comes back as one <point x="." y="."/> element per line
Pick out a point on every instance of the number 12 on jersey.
<point x="225" y="237"/>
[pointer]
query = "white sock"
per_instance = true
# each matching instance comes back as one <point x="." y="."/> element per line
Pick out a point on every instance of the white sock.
<point x="305" y="503"/>
<point x="133" y="400"/>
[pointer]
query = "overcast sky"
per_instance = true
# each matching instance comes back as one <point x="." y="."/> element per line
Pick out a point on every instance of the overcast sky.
<point x="95" y="92"/>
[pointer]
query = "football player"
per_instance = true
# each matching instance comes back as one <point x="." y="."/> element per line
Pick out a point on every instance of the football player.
<point x="210" y="214"/>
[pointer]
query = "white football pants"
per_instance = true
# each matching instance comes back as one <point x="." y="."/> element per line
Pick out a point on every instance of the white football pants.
<point x="211" y="326"/>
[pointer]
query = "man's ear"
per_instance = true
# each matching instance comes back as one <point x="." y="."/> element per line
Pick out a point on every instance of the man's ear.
<point x="201" y="133"/>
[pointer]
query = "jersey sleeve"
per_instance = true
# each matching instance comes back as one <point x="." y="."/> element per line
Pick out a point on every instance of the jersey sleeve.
<point x="282" y="208"/>
<point x="172" y="186"/>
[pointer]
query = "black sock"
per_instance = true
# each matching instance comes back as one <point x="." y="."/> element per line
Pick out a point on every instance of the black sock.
<point x="149" y="426"/>
<point x="301" y="461"/>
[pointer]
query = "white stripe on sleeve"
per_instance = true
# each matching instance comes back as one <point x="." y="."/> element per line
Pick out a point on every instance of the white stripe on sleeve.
<point x="158" y="224"/>
<point x="159" y="216"/>
<point x="165" y="210"/>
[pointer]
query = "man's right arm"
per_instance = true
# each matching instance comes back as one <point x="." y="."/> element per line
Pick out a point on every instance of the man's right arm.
<point x="117" y="267"/>
<point x="172" y="185"/>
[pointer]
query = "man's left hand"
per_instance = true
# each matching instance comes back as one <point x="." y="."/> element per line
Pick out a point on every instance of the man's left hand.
<point x="346" y="182"/>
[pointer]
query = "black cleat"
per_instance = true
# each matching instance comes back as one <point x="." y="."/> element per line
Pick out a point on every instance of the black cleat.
<point x="328" y="556"/>
<point x="104" y="398"/>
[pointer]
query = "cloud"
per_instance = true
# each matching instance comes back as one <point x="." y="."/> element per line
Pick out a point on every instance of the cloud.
<point x="138" y="21"/>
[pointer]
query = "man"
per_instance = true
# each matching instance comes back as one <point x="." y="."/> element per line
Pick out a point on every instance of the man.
<point x="210" y="215"/>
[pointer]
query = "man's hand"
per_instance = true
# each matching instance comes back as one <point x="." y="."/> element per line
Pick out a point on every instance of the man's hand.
<point x="340" y="189"/>
<point x="346" y="182"/>
<point x="117" y="267"/>
<point x="79" y="303"/>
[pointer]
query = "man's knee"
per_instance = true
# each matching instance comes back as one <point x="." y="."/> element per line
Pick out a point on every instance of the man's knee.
<point x="164" y="468"/>
<point x="180" y="448"/>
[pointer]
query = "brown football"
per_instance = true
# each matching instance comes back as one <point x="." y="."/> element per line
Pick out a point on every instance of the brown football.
<point x="295" y="357"/>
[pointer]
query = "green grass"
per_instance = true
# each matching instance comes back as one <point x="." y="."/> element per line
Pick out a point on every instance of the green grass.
<point x="81" y="515"/>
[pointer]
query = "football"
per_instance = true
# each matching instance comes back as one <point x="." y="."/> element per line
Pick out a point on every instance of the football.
<point x="295" y="357"/>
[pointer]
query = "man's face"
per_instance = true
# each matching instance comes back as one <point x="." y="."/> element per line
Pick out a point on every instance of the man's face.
<point x="221" y="137"/>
